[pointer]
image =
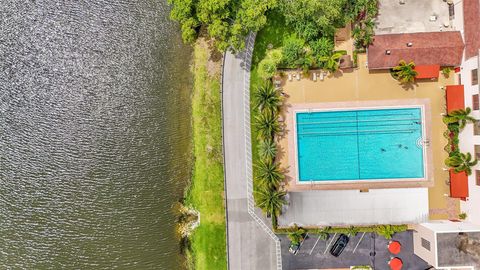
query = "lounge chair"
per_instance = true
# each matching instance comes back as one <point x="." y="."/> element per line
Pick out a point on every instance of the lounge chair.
<point x="298" y="76"/>
<point x="322" y="76"/>
<point x="290" y="76"/>
<point x="314" y="77"/>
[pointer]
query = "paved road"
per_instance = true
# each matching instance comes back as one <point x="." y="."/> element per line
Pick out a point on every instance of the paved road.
<point x="249" y="245"/>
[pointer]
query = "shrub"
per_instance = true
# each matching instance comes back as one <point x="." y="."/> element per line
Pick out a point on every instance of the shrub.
<point x="446" y="71"/>
<point x="266" y="68"/>
<point x="322" y="47"/>
<point x="462" y="216"/>
<point x="388" y="231"/>
<point x="292" y="51"/>
<point x="296" y="234"/>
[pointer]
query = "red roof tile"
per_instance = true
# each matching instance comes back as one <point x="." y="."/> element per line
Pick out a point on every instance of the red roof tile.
<point x="431" y="48"/>
<point x="455" y="98"/>
<point x="427" y="71"/>
<point x="471" y="25"/>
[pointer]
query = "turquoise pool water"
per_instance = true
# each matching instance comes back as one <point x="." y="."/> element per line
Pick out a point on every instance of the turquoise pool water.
<point x="360" y="144"/>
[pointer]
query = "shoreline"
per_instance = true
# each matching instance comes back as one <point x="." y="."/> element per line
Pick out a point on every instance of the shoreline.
<point x="205" y="192"/>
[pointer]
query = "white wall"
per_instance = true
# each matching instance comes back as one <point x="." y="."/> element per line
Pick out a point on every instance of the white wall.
<point x="467" y="139"/>
<point x="427" y="255"/>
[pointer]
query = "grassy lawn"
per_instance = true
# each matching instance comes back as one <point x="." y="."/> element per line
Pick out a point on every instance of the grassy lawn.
<point x="208" y="242"/>
<point x="274" y="33"/>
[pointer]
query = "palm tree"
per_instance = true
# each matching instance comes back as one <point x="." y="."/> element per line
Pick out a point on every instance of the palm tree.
<point x="404" y="72"/>
<point x="323" y="233"/>
<point x="269" y="173"/>
<point x="267" y="149"/>
<point x="461" y="116"/>
<point x="271" y="202"/>
<point x="296" y="235"/>
<point x="461" y="162"/>
<point x="267" y="98"/>
<point x="331" y="62"/>
<point x="267" y="125"/>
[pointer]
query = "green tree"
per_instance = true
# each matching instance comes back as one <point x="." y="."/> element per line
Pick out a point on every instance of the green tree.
<point x="461" y="162"/>
<point x="271" y="202"/>
<point x="267" y="149"/>
<point x="322" y="47"/>
<point x="404" y="72"/>
<point x="269" y="173"/>
<point x="267" y="68"/>
<point x="331" y="62"/>
<point x="267" y="124"/>
<point x="227" y="21"/>
<point x="292" y="50"/>
<point x="267" y="98"/>
<point x="296" y="234"/>
<point x="462" y="116"/>
<point x="312" y="18"/>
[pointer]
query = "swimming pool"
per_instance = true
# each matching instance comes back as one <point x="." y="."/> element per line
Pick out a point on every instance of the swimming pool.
<point x="366" y="144"/>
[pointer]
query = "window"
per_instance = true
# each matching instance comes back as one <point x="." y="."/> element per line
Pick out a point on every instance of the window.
<point x="477" y="177"/>
<point x="475" y="105"/>
<point x="476" y="128"/>
<point x="477" y="151"/>
<point x="426" y="244"/>
<point x="474" y="76"/>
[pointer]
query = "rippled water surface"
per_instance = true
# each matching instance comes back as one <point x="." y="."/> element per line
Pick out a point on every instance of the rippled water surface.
<point x="94" y="134"/>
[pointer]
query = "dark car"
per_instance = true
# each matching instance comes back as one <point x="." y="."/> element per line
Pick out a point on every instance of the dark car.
<point x="339" y="245"/>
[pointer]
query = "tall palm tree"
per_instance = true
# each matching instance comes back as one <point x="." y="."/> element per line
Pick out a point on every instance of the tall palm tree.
<point x="270" y="201"/>
<point x="461" y="116"/>
<point x="267" y="124"/>
<point x="461" y="162"/>
<point x="331" y="62"/>
<point x="269" y="173"/>
<point x="267" y="149"/>
<point x="404" y="72"/>
<point x="267" y="98"/>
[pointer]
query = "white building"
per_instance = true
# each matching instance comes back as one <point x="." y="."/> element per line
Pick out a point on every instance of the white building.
<point x="467" y="21"/>
<point x="448" y="245"/>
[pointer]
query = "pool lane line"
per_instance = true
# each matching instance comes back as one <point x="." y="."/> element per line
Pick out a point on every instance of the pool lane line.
<point x="361" y="238"/>
<point x="333" y="238"/>
<point x="358" y="149"/>
<point x="318" y="239"/>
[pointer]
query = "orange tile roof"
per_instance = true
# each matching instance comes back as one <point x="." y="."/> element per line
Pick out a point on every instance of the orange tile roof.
<point x="427" y="71"/>
<point x="458" y="184"/>
<point x="430" y="48"/>
<point x="471" y="24"/>
<point x="455" y="98"/>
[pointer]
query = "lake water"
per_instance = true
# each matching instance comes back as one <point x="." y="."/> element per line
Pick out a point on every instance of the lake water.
<point x="94" y="134"/>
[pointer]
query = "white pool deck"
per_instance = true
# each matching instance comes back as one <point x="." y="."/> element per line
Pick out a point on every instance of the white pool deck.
<point x="352" y="207"/>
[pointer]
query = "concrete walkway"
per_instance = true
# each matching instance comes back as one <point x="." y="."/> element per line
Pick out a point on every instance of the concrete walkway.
<point x="251" y="244"/>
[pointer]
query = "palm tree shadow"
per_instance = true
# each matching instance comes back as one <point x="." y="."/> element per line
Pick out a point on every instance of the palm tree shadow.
<point x="409" y="86"/>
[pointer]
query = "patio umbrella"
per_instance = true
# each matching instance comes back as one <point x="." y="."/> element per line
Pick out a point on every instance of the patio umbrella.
<point x="394" y="247"/>
<point x="395" y="264"/>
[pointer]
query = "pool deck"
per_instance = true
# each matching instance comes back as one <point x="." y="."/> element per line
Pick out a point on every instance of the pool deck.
<point x="360" y="84"/>
<point x="292" y="173"/>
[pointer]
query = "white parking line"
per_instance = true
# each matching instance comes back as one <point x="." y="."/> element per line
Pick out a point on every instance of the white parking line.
<point x="333" y="238"/>
<point x="314" y="245"/>
<point x="361" y="238"/>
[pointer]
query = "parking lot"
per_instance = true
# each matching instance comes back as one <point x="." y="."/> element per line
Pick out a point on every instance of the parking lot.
<point x="363" y="249"/>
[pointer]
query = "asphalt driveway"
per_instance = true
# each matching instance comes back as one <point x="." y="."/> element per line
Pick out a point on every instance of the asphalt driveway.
<point x="371" y="250"/>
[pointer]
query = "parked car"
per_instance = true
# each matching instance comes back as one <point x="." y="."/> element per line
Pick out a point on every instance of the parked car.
<point x="294" y="248"/>
<point x="339" y="245"/>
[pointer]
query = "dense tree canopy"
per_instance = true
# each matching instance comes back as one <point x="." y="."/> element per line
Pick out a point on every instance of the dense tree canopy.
<point x="227" y="21"/>
<point x="312" y="18"/>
